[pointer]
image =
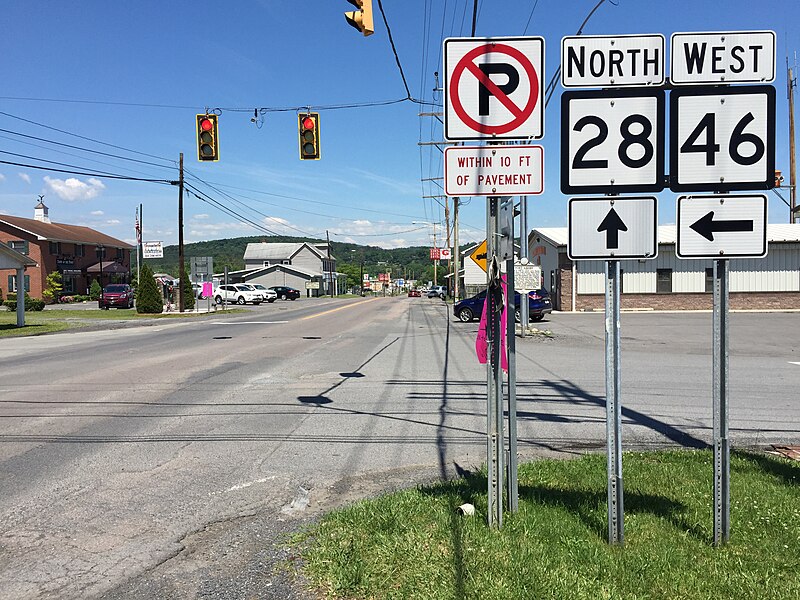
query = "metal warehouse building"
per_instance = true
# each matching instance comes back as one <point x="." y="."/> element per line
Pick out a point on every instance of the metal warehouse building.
<point x="668" y="282"/>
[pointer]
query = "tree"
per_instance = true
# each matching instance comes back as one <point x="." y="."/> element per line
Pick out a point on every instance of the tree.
<point x="148" y="298"/>
<point x="94" y="290"/>
<point x="187" y="290"/>
<point x="53" y="287"/>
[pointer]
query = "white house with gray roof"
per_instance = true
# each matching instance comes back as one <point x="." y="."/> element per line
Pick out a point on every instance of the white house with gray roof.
<point x="289" y="264"/>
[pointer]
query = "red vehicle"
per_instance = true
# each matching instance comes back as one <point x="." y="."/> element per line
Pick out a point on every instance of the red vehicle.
<point x="414" y="294"/>
<point x="119" y="295"/>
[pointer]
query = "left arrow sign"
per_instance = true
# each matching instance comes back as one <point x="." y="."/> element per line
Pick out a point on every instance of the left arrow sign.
<point x="612" y="225"/>
<point x="707" y="226"/>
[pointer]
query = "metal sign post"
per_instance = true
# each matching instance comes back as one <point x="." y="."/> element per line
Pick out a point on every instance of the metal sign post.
<point x="616" y="524"/>
<point x="722" y="450"/>
<point x="494" y="373"/>
<point x="511" y="458"/>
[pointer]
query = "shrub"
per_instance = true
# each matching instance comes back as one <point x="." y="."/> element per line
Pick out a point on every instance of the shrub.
<point x="94" y="290"/>
<point x="148" y="298"/>
<point x="31" y="304"/>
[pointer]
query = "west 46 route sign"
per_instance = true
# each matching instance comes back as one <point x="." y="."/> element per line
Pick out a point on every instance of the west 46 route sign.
<point x="494" y="88"/>
<point x="612" y="228"/>
<point x="722" y="139"/>
<point x="612" y="141"/>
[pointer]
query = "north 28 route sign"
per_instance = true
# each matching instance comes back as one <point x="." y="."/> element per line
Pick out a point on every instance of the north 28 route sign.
<point x="612" y="141"/>
<point x="722" y="139"/>
<point x="494" y="88"/>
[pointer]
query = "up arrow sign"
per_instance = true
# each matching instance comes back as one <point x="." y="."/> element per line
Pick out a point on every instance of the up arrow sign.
<point x="707" y="226"/>
<point x="722" y="226"/>
<point x="634" y="215"/>
<point x="612" y="225"/>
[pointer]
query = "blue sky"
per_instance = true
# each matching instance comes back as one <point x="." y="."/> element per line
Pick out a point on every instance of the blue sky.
<point x="133" y="75"/>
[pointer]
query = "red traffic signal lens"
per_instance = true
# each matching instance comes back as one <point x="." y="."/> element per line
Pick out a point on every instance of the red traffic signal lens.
<point x="206" y="125"/>
<point x="308" y="123"/>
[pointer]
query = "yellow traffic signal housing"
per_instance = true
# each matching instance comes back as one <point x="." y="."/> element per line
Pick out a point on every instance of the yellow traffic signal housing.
<point x="309" y="136"/>
<point x="361" y="19"/>
<point x="207" y="138"/>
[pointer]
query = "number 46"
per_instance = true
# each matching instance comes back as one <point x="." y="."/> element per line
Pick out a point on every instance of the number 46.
<point x="738" y="137"/>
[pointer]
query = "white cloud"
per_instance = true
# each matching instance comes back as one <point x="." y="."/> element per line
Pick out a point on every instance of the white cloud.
<point x="2" y="177"/>
<point x="25" y="177"/>
<point x="200" y="216"/>
<point x="97" y="213"/>
<point x="73" y="189"/>
<point x="113" y="222"/>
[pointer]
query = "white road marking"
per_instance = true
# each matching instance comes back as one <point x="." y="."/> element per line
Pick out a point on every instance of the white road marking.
<point x="241" y="486"/>
<point x="250" y="322"/>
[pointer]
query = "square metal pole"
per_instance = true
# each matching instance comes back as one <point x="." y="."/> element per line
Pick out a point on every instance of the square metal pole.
<point x="511" y="470"/>
<point x="494" y="377"/>
<point x="616" y="513"/>
<point x="722" y="450"/>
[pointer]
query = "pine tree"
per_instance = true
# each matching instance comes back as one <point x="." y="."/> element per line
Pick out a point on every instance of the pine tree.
<point x="94" y="290"/>
<point x="148" y="298"/>
<point x="188" y="291"/>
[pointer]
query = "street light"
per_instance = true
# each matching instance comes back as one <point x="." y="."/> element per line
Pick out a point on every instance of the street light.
<point x="435" y="261"/>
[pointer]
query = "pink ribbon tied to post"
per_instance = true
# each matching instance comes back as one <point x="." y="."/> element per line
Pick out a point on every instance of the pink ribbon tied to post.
<point x="482" y="343"/>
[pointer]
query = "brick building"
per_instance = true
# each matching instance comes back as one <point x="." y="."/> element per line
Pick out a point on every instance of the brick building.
<point x="668" y="282"/>
<point x="72" y="250"/>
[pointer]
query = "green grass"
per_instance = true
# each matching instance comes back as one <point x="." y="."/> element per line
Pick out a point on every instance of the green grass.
<point x="412" y="544"/>
<point x="49" y="321"/>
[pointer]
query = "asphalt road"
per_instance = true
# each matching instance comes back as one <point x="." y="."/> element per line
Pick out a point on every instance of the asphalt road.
<point x="169" y="461"/>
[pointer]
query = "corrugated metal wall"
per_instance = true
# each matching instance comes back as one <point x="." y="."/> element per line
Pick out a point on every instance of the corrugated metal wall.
<point x="778" y="272"/>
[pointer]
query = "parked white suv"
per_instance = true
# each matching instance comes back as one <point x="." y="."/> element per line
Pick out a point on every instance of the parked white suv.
<point x="238" y="293"/>
<point x="268" y="294"/>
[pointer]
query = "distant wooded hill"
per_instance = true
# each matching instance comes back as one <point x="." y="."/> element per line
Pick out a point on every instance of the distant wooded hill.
<point x="409" y="263"/>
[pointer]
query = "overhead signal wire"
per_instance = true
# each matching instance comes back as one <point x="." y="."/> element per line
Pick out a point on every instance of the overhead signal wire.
<point x="208" y="199"/>
<point x="239" y="202"/>
<point x="99" y="175"/>
<point x="39" y="139"/>
<point x="307" y="212"/>
<point x="83" y="137"/>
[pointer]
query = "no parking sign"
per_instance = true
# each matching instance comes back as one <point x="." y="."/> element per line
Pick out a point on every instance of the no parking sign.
<point x="494" y="88"/>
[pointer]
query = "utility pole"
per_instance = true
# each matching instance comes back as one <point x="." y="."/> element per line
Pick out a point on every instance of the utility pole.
<point x="794" y="216"/>
<point x="180" y="235"/>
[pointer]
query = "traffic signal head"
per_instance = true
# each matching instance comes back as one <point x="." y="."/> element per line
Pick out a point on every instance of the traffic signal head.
<point x="309" y="136"/>
<point x="207" y="138"/>
<point x="361" y="19"/>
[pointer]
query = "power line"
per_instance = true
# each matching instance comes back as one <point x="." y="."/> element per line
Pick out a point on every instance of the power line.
<point x="85" y="138"/>
<point x="394" y="51"/>
<point x="88" y="174"/>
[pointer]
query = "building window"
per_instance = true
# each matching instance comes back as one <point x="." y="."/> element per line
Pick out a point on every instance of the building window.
<point x="266" y="263"/>
<point x="55" y="247"/>
<point x="663" y="281"/>
<point x="100" y="252"/>
<point x="286" y="262"/>
<point x="120" y="253"/>
<point x="80" y="250"/>
<point x="12" y="283"/>
<point x="20" y="246"/>
<point x="710" y="281"/>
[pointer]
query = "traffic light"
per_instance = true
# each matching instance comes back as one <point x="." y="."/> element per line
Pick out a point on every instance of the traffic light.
<point x="207" y="138"/>
<point x="309" y="136"/>
<point x="361" y="19"/>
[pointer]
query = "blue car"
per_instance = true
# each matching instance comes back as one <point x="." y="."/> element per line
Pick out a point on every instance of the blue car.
<point x="471" y="308"/>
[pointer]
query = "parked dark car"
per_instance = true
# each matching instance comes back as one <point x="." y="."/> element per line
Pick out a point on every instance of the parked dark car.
<point x="286" y="293"/>
<point x="119" y="295"/>
<point x="471" y="308"/>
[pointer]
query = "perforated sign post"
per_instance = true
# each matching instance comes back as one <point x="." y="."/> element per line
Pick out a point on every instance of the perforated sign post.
<point x="494" y="88"/>
<point x="722" y="139"/>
